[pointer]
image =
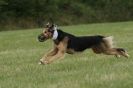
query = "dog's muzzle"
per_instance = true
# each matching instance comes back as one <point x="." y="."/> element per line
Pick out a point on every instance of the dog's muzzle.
<point x="41" y="38"/>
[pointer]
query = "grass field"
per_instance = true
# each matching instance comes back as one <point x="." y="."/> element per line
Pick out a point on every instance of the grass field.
<point x="20" y="52"/>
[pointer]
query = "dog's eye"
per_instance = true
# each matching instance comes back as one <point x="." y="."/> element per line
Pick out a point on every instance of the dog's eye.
<point x="45" y="32"/>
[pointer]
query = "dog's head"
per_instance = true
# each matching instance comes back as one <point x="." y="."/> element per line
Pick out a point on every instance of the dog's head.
<point x="47" y="33"/>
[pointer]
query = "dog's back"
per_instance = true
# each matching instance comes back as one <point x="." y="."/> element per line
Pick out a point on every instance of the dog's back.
<point x="84" y="42"/>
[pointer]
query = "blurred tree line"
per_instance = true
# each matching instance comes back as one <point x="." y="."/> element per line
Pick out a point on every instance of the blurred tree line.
<point x="34" y="13"/>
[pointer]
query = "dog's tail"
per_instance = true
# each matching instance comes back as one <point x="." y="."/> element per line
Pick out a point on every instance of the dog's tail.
<point x="108" y="41"/>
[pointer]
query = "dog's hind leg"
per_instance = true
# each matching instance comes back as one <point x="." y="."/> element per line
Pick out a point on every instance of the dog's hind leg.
<point x="122" y="52"/>
<point x="105" y="50"/>
<point x="96" y="49"/>
<point x="107" y="47"/>
<point x="117" y="52"/>
<point x="111" y="51"/>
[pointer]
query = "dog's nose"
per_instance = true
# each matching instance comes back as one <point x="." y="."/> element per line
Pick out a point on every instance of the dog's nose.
<point x="41" y="38"/>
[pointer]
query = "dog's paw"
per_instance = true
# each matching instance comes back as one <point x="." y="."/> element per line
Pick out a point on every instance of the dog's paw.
<point x="43" y="62"/>
<point x="40" y="63"/>
<point x="117" y="56"/>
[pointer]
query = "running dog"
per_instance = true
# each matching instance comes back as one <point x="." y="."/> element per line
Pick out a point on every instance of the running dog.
<point x="68" y="43"/>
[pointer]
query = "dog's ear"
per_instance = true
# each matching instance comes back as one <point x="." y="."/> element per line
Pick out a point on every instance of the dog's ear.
<point x="47" y="25"/>
<point x="52" y="28"/>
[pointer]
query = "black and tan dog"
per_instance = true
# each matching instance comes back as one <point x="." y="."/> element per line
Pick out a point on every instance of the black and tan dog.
<point x="68" y="43"/>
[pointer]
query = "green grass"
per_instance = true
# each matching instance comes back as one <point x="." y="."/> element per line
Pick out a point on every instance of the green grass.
<point x="20" y="52"/>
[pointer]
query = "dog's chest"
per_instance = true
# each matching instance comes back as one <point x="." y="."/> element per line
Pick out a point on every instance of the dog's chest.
<point x="56" y="42"/>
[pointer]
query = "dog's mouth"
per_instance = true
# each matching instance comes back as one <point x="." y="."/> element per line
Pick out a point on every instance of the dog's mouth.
<point x="41" y="38"/>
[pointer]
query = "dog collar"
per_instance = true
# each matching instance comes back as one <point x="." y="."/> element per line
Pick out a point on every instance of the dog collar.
<point x="55" y="34"/>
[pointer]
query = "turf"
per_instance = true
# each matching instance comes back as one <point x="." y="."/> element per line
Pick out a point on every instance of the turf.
<point x="20" y="52"/>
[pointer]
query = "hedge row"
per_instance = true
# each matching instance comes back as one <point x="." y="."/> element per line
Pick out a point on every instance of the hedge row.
<point x="35" y="13"/>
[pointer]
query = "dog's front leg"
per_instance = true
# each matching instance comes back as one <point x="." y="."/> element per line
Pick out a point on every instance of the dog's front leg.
<point x="48" y="55"/>
<point x="60" y="52"/>
<point x="59" y="55"/>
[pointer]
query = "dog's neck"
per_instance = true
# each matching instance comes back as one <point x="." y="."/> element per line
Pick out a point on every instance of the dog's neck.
<point x="55" y="34"/>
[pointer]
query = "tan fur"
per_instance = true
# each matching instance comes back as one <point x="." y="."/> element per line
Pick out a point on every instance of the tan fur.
<point x="96" y="50"/>
<point x="107" y="48"/>
<point x="110" y="50"/>
<point x="58" y="52"/>
<point x="70" y="51"/>
<point x="108" y="41"/>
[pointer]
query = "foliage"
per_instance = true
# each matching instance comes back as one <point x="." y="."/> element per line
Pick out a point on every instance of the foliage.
<point x="34" y="13"/>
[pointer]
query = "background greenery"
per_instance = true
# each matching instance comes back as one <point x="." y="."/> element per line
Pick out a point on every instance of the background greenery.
<point x="20" y="53"/>
<point x="35" y="13"/>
